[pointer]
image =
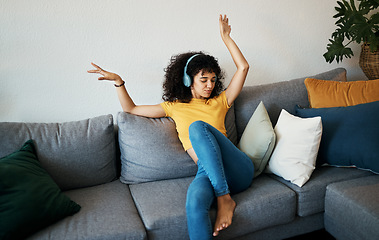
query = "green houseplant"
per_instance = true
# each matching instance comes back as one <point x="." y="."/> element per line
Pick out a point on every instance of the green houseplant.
<point x="355" y="24"/>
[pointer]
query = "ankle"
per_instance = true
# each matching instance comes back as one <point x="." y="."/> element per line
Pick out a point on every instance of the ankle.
<point x="224" y="199"/>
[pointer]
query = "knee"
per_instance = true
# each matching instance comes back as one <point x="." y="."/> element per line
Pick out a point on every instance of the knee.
<point x="194" y="200"/>
<point x="195" y="129"/>
<point x="193" y="204"/>
<point x="199" y="197"/>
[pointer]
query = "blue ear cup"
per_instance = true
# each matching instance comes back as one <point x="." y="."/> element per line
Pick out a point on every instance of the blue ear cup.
<point x="186" y="78"/>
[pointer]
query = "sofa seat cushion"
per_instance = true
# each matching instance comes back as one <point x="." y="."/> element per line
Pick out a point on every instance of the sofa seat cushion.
<point x="310" y="197"/>
<point x="352" y="209"/>
<point x="76" y="154"/>
<point x="293" y="230"/>
<point x="108" y="212"/>
<point x="161" y="205"/>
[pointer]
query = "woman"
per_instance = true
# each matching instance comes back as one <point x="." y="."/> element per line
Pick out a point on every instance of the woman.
<point x="195" y="101"/>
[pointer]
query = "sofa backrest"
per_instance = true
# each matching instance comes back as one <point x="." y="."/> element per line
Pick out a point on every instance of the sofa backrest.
<point x="277" y="96"/>
<point x="75" y="154"/>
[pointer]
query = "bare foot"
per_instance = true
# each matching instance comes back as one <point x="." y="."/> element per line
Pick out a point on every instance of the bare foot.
<point x="225" y="210"/>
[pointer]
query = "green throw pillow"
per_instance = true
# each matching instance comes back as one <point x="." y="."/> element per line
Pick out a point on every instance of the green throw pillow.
<point x="258" y="139"/>
<point x="29" y="198"/>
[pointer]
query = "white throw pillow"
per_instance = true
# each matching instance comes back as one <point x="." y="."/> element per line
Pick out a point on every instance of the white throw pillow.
<point x="258" y="139"/>
<point x="297" y="143"/>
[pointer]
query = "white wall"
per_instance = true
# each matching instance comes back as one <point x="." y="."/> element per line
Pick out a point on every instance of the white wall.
<point x="46" y="46"/>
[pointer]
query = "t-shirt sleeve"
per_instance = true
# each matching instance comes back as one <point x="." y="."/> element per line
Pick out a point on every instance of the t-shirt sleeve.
<point x="224" y="100"/>
<point x="167" y="108"/>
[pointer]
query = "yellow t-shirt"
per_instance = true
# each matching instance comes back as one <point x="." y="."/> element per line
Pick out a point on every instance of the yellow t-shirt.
<point x="211" y="111"/>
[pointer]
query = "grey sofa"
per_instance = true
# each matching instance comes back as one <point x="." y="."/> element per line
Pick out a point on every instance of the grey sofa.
<point x="131" y="178"/>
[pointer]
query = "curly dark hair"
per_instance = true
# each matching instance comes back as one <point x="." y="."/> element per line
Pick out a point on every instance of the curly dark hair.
<point x="173" y="87"/>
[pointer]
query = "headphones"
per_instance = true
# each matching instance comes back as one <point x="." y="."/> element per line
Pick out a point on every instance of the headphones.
<point x="186" y="78"/>
<point x="187" y="81"/>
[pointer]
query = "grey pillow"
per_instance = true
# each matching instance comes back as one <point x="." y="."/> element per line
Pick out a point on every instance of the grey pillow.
<point x="230" y="125"/>
<point x="75" y="154"/>
<point x="151" y="150"/>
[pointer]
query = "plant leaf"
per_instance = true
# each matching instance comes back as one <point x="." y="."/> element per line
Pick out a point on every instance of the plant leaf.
<point x="356" y="23"/>
<point x="336" y="50"/>
<point x="369" y="4"/>
<point x="374" y="19"/>
<point x="343" y="30"/>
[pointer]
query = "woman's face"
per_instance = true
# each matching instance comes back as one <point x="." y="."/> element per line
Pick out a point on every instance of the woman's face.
<point x="203" y="84"/>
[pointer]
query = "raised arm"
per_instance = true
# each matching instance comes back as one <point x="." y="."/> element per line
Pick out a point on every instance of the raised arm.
<point x="242" y="65"/>
<point x="126" y="101"/>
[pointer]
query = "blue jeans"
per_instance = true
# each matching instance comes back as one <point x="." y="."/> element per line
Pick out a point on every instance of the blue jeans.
<point x="222" y="169"/>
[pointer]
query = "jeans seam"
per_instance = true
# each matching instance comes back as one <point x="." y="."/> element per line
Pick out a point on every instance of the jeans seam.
<point x="222" y="172"/>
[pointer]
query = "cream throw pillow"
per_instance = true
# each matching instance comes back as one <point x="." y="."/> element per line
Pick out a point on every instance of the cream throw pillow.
<point x="258" y="139"/>
<point x="297" y="143"/>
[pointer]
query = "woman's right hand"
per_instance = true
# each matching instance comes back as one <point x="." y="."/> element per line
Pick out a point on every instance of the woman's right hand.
<point x="225" y="28"/>
<point x="106" y="75"/>
<point x="127" y="104"/>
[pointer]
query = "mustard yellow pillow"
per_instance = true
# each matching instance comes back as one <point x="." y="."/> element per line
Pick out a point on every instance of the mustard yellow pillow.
<point x="324" y="94"/>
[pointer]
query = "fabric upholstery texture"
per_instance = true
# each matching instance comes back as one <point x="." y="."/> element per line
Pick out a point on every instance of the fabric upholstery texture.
<point x="230" y="125"/>
<point x="351" y="209"/>
<point x="252" y="207"/>
<point x="297" y="144"/>
<point x="151" y="150"/>
<point x="258" y="139"/>
<point x="350" y="136"/>
<point x="29" y="199"/>
<point x="323" y="94"/>
<point x="108" y="213"/>
<point x="310" y="197"/>
<point x="277" y="96"/>
<point x="299" y="226"/>
<point x="150" y="146"/>
<point x="76" y="154"/>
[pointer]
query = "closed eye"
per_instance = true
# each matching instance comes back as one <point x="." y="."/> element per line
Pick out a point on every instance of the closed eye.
<point x="203" y="79"/>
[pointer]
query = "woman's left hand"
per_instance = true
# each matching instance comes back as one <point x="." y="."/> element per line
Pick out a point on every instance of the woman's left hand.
<point x="225" y="28"/>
